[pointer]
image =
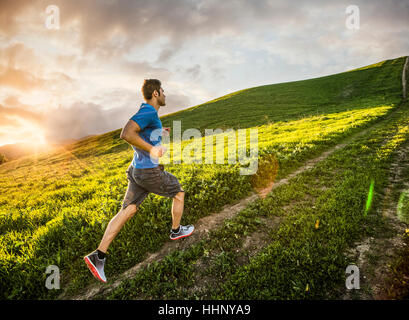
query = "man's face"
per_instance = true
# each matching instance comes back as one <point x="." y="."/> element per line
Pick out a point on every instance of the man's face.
<point x="162" y="97"/>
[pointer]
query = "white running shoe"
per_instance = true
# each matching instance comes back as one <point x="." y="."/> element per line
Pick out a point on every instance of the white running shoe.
<point x="96" y="265"/>
<point x="184" y="231"/>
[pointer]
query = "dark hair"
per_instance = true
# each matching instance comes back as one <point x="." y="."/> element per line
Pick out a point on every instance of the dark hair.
<point x="149" y="86"/>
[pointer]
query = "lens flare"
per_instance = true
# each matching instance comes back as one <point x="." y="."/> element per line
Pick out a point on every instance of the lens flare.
<point x="370" y="197"/>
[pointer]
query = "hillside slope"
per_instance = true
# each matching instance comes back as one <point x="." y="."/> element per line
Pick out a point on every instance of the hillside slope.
<point x="379" y="83"/>
<point x="370" y="86"/>
<point x="54" y="207"/>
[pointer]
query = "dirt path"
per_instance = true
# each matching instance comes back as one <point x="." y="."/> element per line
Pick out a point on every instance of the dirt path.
<point x="204" y="225"/>
<point x="375" y="255"/>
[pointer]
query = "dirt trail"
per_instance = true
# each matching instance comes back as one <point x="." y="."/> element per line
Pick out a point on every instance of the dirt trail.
<point x="204" y="225"/>
<point x="374" y="255"/>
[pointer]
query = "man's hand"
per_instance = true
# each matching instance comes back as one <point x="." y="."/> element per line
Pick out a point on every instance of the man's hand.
<point x="157" y="152"/>
<point x="166" y="131"/>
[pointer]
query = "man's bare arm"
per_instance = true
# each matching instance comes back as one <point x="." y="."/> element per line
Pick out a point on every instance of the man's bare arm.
<point x="130" y="133"/>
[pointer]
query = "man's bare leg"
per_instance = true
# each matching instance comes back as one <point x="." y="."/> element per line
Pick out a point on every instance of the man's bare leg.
<point x="177" y="209"/>
<point x="115" y="225"/>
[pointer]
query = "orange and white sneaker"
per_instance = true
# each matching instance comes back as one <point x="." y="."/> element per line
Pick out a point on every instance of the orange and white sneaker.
<point x="96" y="265"/>
<point x="184" y="231"/>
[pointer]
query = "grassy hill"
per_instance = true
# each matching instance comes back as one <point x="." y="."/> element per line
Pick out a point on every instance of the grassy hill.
<point x="54" y="207"/>
<point x="374" y="85"/>
<point x="378" y="83"/>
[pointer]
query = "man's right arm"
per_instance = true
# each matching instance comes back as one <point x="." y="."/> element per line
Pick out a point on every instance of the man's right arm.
<point x="130" y="133"/>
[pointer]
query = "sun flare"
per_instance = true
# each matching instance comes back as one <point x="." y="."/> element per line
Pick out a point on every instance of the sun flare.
<point x="37" y="138"/>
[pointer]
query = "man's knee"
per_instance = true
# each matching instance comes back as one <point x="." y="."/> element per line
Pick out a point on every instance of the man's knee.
<point x="130" y="210"/>
<point x="179" y="196"/>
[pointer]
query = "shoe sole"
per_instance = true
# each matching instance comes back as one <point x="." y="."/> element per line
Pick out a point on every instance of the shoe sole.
<point x="186" y="235"/>
<point x="93" y="270"/>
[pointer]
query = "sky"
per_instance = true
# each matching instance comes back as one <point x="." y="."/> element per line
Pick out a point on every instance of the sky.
<point x="77" y="68"/>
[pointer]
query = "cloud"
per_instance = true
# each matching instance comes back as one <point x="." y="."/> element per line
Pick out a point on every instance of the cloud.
<point x="81" y="119"/>
<point x="320" y="42"/>
<point x="78" y="120"/>
<point x="15" y="61"/>
<point x="168" y="52"/>
<point x="95" y="64"/>
<point x="146" y="69"/>
<point x="175" y="102"/>
<point x="20" y="79"/>
<point x="9" y="11"/>
<point x="118" y="26"/>
<point x="18" y="111"/>
<point x="22" y="69"/>
<point x="16" y="121"/>
<point x="75" y="121"/>
<point x="7" y="121"/>
<point x="112" y="29"/>
<point x="194" y="71"/>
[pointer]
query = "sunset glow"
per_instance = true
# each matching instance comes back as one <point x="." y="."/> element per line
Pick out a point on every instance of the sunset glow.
<point x="84" y="76"/>
<point x="38" y="139"/>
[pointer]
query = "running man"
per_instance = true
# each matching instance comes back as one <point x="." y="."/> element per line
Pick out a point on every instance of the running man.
<point x="144" y="133"/>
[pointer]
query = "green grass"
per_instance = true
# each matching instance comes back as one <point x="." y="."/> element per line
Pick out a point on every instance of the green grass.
<point x="357" y="89"/>
<point x="403" y="206"/>
<point x="274" y="273"/>
<point x="54" y="207"/>
<point x="301" y="261"/>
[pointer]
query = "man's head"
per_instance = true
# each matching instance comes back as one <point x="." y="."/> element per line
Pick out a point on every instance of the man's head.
<point x="153" y="93"/>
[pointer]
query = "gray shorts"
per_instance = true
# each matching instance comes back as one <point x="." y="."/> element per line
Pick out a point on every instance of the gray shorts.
<point x="143" y="181"/>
